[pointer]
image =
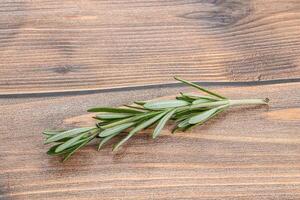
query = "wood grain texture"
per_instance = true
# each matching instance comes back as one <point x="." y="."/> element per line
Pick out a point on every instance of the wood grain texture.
<point x="245" y="153"/>
<point x="48" y="45"/>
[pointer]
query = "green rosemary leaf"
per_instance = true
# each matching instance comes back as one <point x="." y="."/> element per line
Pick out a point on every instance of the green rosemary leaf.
<point x="73" y="150"/>
<point x="162" y="123"/>
<point x="103" y="120"/>
<point x="113" y="110"/>
<point x="204" y="116"/>
<point x="130" y="119"/>
<point x="158" y="105"/>
<point x="181" y="98"/>
<point x="198" y="101"/>
<point x="180" y="119"/>
<point x="198" y="96"/>
<point x="115" y="129"/>
<point x="138" y="128"/>
<point x="112" y="115"/>
<point x="183" y="123"/>
<point x="221" y="109"/>
<point x="141" y="103"/>
<point x="200" y="88"/>
<point x="63" y="140"/>
<point x="188" y="115"/>
<point x="70" y="143"/>
<point x="188" y="111"/>
<point x="51" y="151"/>
<point x="181" y="126"/>
<point x="183" y="108"/>
<point x="52" y="132"/>
<point x="142" y="109"/>
<point x="105" y="140"/>
<point x="69" y="133"/>
<point x="185" y="99"/>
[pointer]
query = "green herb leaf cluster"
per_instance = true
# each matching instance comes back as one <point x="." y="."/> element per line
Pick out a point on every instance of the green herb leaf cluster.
<point x="186" y="111"/>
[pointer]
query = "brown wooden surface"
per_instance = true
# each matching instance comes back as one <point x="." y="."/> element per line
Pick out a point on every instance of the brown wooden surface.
<point x="48" y="45"/>
<point x="241" y="48"/>
<point x="245" y="153"/>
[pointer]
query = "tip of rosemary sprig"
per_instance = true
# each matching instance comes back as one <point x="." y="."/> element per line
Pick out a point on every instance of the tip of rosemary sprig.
<point x="199" y="88"/>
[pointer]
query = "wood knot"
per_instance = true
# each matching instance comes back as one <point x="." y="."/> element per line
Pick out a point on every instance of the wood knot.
<point x="222" y="13"/>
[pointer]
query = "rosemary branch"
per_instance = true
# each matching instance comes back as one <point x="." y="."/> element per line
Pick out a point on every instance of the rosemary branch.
<point x="186" y="110"/>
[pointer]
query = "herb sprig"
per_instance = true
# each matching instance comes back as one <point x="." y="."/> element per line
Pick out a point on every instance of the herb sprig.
<point x="186" y="110"/>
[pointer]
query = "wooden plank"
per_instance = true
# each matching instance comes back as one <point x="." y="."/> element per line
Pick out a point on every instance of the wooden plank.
<point x="246" y="153"/>
<point x="48" y="45"/>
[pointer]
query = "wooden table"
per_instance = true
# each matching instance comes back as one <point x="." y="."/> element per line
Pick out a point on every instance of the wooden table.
<point x="59" y="58"/>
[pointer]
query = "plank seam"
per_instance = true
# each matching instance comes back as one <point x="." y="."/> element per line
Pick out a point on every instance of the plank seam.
<point x="141" y="87"/>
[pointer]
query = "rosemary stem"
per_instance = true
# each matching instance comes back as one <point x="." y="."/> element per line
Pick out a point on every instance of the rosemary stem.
<point x="230" y="103"/>
<point x="248" y="102"/>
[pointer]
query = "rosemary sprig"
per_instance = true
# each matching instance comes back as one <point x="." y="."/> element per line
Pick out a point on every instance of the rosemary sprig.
<point x="186" y="110"/>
